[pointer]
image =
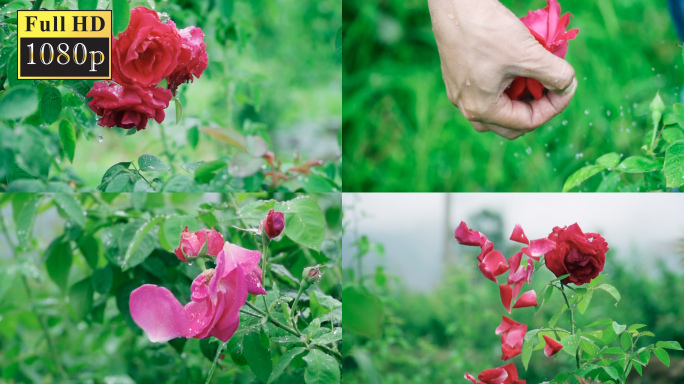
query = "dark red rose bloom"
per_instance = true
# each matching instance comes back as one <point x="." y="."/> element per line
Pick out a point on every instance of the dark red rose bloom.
<point x="128" y="106"/>
<point x="582" y="255"/>
<point x="192" y="60"/>
<point x="147" y="51"/>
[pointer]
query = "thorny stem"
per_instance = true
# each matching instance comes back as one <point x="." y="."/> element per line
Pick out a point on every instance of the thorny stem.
<point x="295" y="332"/>
<point x="213" y="365"/>
<point x="44" y="328"/>
<point x="572" y="320"/>
<point x="264" y="255"/>
<point x="165" y="143"/>
<point x="296" y="301"/>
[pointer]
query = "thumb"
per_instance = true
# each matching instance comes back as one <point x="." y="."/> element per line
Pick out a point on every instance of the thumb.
<point x="555" y="74"/>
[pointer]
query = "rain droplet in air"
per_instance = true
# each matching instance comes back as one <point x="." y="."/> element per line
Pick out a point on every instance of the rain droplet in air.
<point x="100" y="138"/>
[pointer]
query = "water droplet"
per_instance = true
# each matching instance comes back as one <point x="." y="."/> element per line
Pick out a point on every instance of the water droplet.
<point x="565" y="122"/>
<point x="586" y="111"/>
<point x="100" y="138"/>
<point x="529" y="150"/>
<point x="608" y="113"/>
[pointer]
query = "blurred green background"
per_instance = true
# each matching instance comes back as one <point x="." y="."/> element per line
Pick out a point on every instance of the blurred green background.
<point x="435" y="331"/>
<point x="401" y="133"/>
<point x="273" y="71"/>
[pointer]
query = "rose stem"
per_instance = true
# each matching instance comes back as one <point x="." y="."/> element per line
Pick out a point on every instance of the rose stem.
<point x="51" y="346"/>
<point x="572" y="320"/>
<point x="213" y="365"/>
<point x="288" y="329"/>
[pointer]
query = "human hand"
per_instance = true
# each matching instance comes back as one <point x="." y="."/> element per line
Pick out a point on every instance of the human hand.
<point x="483" y="46"/>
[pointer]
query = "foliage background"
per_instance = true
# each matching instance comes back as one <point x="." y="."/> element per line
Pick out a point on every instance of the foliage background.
<point x="91" y="335"/>
<point x="401" y="133"/>
<point x="438" y="334"/>
<point x="273" y="72"/>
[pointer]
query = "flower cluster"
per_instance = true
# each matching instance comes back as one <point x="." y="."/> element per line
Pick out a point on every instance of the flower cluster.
<point x="550" y="29"/>
<point x="143" y="55"/>
<point x="492" y="264"/>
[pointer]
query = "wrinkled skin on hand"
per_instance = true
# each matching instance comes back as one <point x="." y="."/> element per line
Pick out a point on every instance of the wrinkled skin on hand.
<point x="483" y="46"/>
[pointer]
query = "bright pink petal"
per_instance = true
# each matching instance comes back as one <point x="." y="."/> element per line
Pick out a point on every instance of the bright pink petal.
<point x="538" y="22"/>
<point x="214" y="243"/>
<point x="519" y="235"/>
<point x="201" y="316"/>
<point x="487" y="247"/>
<point x="470" y="377"/>
<point x="506" y="325"/>
<point x="249" y="261"/>
<point x="514" y="262"/>
<point x="158" y="313"/>
<point x="552" y="346"/>
<point x="512" y="372"/>
<point x="506" y="296"/>
<point x="528" y="299"/>
<point x="496" y="262"/>
<point x="516" y="288"/>
<point x="539" y="247"/>
<point x="467" y="236"/>
<point x="232" y="296"/>
<point x="493" y="376"/>
<point x="254" y="285"/>
<point x="487" y="272"/>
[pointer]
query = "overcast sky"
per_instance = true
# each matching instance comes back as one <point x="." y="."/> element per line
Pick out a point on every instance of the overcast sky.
<point x="412" y="226"/>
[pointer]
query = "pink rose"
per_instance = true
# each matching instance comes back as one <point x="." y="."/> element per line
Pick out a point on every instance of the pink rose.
<point x="192" y="242"/>
<point x="214" y="309"/>
<point x="192" y="60"/>
<point x="128" y="106"/>
<point x="147" y="51"/>
<point x="249" y="261"/>
<point x="550" y="29"/>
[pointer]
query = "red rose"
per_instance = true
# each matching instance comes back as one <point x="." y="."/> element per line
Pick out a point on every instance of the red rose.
<point x="128" y="106"/>
<point x="147" y="51"/>
<point x="507" y="374"/>
<point x="582" y="255"/>
<point x="192" y="60"/>
<point x="550" y="29"/>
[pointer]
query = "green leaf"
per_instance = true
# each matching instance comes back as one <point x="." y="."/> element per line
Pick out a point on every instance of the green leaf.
<point x="50" y="104"/>
<point x="599" y="323"/>
<point x="584" y="302"/>
<point x="670" y="135"/>
<point x="131" y="258"/>
<point x="67" y="135"/>
<point x="613" y="292"/>
<point x="121" y="16"/>
<point x="626" y="341"/>
<point x="674" y="165"/>
<point x="321" y="368"/>
<point x="90" y="250"/>
<point x="32" y="155"/>
<point x="581" y="175"/>
<point x="363" y="312"/>
<point x="148" y="162"/>
<point x="284" y="362"/>
<point x="193" y="137"/>
<point x="637" y="366"/>
<point x="58" y="262"/>
<point x="634" y="327"/>
<point x="81" y="297"/>
<point x="6" y="281"/>
<point x="609" y="160"/>
<point x="588" y="347"/>
<point x="18" y="102"/>
<point x="613" y="351"/>
<point x="669" y="345"/>
<point x="679" y="114"/>
<point x="25" y="218"/>
<point x="639" y="164"/>
<point x="207" y="171"/>
<point x="618" y="328"/>
<point x="609" y="335"/>
<point x="315" y="183"/>
<point x="258" y="357"/>
<point x="338" y="44"/>
<point x="87" y="5"/>
<point x="527" y="352"/>
<point x="570" y="344"/>
<point x="71" y="207"/>
<point x="102" y="280"/>
<point x="612" y="372"/>
<point x="226" y="8"/>
<point x="662" y="355"/>
<point x="304" y="222"/>
<point x="174" y="225"/>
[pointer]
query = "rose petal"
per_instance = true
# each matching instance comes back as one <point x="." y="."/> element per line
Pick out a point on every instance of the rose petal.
<point x="487" y="272"/>
<point x="528" y="299"/>
<point x="518" y="235"/>
<point x="158" y="313"/>
<point x="539" y="247"/>
<point x="493" y="376"/>
<point x="506" y="296"/>
<point x="467" y="236"/>
<point x="470" y="377"/>
<point x="552" y="346"/>
<point x="496" y="262"/>
<point x="506" y="325"/>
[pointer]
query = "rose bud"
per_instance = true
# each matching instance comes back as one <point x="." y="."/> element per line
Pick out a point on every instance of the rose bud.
<point x="312" y="275"/>
<point x="273" y="224"/>
<point x="192" y="244"/>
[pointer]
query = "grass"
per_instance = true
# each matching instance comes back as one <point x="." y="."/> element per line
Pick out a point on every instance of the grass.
<point x="401" y="133"/>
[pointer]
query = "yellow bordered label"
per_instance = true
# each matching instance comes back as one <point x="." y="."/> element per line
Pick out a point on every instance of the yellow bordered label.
<point x="59" y="45"/>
